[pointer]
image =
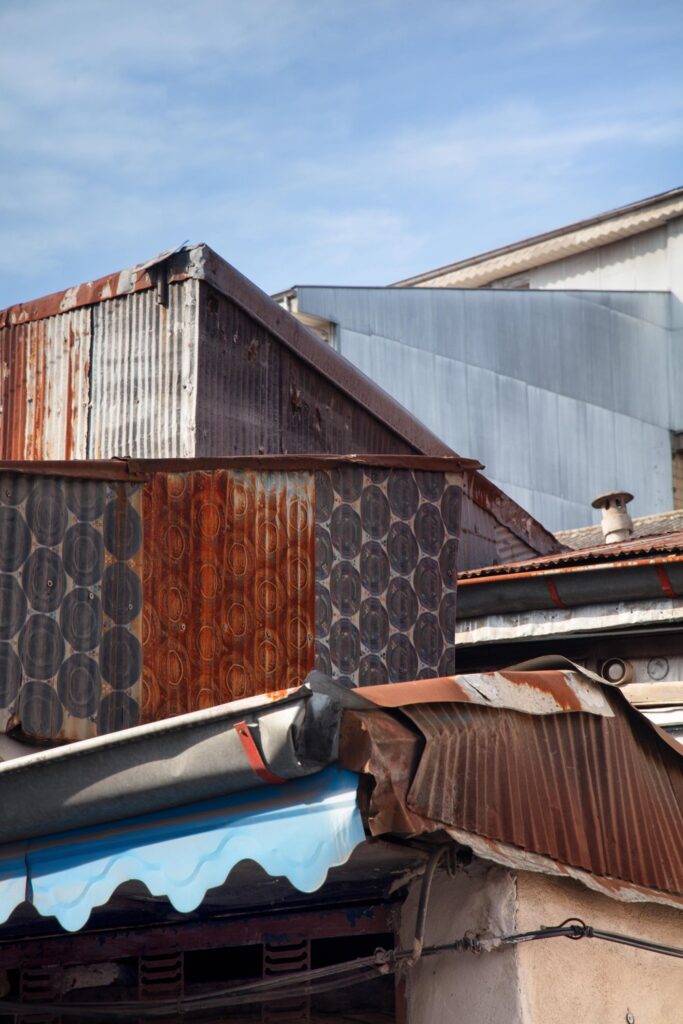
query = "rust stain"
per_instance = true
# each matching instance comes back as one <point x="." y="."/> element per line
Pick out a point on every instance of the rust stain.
<point x="421" y="691"/>
<point x="553" y="683"/>
<point x="595" y="793"/>
<point x="228" y="577"/>
<point x="13" y="345"/>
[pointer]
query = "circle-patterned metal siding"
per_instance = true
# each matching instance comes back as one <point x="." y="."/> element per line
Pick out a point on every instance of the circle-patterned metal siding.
<point x="386" y="570"/>
<point x="70" y="606"/>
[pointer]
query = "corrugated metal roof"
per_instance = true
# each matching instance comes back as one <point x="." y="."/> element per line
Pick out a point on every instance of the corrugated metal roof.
<point x="597" y="793"/>
<point x="643" y="526"/>
<point x="666" y="544"/>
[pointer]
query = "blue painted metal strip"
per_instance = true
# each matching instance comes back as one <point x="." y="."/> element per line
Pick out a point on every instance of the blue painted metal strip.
<point x="299" y="831"/>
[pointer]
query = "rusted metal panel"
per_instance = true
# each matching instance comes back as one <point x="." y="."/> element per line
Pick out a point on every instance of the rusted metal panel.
<point x="519" y="860"/>
<point x="633" y="551"/>
<point x="595" y="793"/>
<point x="386" y="573"/>
<point x="143" y="375"/>
<point x="246" y="370"/>
<point x="228" y="571"/>
<point x="44" y="387"/>
<point x="212" y="932"/>
<point x="70" y="604"/>
<point x="546" y="692"/>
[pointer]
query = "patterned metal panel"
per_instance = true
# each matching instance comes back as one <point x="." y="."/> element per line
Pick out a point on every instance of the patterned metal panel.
<point x="228" y="572"/>
<point x="70" y="603"/>
<point x="386" y="573"/>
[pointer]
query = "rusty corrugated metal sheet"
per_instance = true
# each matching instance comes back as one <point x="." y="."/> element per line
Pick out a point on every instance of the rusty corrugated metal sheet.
<point x="545" y="692"/>
<point x="596" y="793"/>
<point x="70" y="603"/>
<point x="44" y="387"/>
<point x="143" y="375"/>
<point x="190" y="358"/>
<point x="670" y="543"/>
<point x="228" y="572"/>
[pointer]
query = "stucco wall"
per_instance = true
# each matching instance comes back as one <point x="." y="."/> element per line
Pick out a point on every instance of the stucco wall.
<point x="464" y="988"/>
<point x="593" y="982"/>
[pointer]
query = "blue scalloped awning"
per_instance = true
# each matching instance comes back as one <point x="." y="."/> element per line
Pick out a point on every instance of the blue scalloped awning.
<point x="299" y="830"/>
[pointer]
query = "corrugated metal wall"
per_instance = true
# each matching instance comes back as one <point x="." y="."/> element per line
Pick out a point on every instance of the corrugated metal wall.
<point x="254" y="395"/>
<point x="561" y="395"/>
<point x="44" y="387"/>
<point x="144" y="369"/>
<point x="228" y="573"/>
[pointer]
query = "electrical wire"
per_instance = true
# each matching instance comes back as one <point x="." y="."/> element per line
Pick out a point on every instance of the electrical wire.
<point x="324" y="979"/>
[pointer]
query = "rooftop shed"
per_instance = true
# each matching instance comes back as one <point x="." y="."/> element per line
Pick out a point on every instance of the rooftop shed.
<point x="183" y="357"/>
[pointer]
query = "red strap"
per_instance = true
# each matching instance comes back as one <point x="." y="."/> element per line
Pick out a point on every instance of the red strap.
<point x="665" y="582"/>
<point x="554" y="596"/>
<point x="254" y="754"/>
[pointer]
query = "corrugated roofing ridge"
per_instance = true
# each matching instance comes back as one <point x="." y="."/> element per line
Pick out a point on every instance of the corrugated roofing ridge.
<point x="503" y="262"/>
<point x="603" y="553"/>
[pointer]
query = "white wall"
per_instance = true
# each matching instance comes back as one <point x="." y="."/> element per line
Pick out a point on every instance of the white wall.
<point x="649" y="261"/>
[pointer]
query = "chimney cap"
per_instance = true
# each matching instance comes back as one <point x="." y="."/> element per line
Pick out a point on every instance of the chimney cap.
<point x="603" y="500"/>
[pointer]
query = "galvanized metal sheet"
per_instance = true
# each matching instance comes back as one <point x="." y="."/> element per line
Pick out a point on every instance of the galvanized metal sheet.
<point x="506" y="375"/>
<point x="228" y="571"/>
<point x="70" y="604"/>
<point x="44" y="387"/>
<point x="143" y="375"/>
<point x="386" y="572"/>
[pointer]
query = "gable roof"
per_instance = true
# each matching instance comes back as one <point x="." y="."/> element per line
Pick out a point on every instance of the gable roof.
<point x="476" y="271"/>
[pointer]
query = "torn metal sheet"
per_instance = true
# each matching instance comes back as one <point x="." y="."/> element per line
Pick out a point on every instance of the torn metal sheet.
<point x="152" y="767"/>
<point x="521" y="860"/>
<point x="597" y="793"/>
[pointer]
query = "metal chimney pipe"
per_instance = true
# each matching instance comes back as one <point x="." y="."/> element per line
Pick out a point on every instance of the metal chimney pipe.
<point x="616" y="523"/>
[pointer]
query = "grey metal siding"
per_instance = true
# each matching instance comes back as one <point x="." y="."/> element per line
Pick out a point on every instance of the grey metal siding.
<point x="560" y="394"/>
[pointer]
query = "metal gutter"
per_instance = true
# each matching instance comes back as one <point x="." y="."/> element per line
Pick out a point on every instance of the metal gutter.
<point x="572" y="585"/>
<point x="165" y="764"/>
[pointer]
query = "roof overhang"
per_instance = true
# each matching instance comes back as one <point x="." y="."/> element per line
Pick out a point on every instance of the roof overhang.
<point x="553" y="245"/>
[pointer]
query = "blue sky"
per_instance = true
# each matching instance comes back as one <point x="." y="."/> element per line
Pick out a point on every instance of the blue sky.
<point x="319" y="142"/>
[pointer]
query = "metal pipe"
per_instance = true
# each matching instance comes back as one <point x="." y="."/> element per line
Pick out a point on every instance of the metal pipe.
<point x="421" y="918"/>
